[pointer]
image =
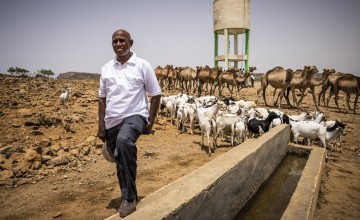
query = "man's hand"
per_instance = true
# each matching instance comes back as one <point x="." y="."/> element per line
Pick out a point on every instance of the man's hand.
<point x="148" y="130"/>
<point x="102" y="134"/>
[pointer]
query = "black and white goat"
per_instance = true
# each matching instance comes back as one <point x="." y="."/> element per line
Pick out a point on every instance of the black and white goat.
<point x="259" y="127"/>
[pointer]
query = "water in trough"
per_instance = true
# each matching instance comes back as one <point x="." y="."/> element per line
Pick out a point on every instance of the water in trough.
<point x="272" y="198"/>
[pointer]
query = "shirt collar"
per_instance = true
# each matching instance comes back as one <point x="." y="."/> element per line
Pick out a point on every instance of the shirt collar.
<point x="131" y="60"/>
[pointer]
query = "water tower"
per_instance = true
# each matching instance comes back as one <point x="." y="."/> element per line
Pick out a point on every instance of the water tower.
<point x="232" y="18"/>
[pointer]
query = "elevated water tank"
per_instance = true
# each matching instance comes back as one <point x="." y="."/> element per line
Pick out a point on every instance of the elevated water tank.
<point x="232" y="18"/>
<point x="233" y="15"/>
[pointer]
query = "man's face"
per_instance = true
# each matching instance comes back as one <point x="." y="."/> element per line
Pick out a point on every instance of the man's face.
<point x="121" y="43"/>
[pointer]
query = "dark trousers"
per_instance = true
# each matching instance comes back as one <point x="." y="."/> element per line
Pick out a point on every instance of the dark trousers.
<point x="121" y="139"/>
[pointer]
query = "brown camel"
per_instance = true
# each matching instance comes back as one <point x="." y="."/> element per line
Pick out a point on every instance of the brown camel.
<point x="347" y="83"/>
<point x="278" y="78"/>
<point x="233" y="78"/>
<point x="187" y="76"/>
<point x="328" y="83"/>
<point x="207" y="76"/>
<point x="158" y="74"/>
<point x="227" y="77"/>
<point x="172" y="77"/>
<point x="311" y="82"/>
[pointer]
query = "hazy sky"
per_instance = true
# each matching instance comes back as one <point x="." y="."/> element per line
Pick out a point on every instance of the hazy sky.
<point x="75" y="35"/>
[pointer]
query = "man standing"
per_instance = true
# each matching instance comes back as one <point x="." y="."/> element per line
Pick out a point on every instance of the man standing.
<point x="124" y="112"/>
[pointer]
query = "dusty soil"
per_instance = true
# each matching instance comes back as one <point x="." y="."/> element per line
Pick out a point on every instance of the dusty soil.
<point x="33" y="185"/>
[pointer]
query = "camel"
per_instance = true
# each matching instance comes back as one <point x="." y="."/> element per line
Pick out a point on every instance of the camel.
<point x="328" y="83"/>
<point x="347" y="83"/>
<point x="187" y="76"/>
<point x="172" y="77"/>
<point x="209" y="76"/>
<point x="311" y="82"/>
<point x="158" y="74"/>
<point x="232" y="77"/>
<point x="278" y="78"/>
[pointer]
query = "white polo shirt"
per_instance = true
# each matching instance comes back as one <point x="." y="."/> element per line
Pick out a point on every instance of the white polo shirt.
<point x="125" y="86"/>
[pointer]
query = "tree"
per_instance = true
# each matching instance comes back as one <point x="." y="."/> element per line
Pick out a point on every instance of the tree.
<point x="45" y="72"/>
<point x="11" y="70"/>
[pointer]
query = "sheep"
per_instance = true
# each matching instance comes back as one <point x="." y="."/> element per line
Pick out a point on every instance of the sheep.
<point x="65" y="97"/>
<point x="205" y="116"/>
<point x="313" y="130"/>
<point x="259" y="127"/>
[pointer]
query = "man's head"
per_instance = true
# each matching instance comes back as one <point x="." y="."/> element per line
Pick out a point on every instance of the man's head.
<point x="122" y="42"/>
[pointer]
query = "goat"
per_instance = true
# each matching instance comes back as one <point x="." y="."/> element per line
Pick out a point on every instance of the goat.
<point x="223" y="122"/>
<point x="337" y="137"/>
<point x="239" y="130"/>
<point x="259" y="127"/>
<point x="65" y="97"/>
<point x="205" y="116"/>
<point x="313" y="130"/>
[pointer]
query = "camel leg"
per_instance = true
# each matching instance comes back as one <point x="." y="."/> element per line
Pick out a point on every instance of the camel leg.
<point x="336" y="98"/>
<point x="263" y="93"/>
<point x="348" y="101"/>
<point x="314" y="99"/>
<point x="355" y="102"/>
<point x="331" y="94"/>
<point x="294" y="96"/>
<point x="287" y="97"/>
<point x="302" y="96"/>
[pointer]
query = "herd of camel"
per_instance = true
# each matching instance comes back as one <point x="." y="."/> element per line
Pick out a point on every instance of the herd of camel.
<point x="286" y="80"/>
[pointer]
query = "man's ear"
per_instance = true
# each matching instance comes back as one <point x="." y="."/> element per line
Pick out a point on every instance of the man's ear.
<point x="131" y="42"/>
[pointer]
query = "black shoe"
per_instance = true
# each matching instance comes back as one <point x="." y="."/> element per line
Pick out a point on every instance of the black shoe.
<point x="127" y="208"/>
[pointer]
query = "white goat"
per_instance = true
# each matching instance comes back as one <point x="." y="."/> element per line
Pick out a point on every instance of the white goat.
<point x="239" y="131"/>
<point x="65" y="97"/>
<point x="205" y="116"/>
<point x="223" y="122"/>
<point x="313" y="130"/>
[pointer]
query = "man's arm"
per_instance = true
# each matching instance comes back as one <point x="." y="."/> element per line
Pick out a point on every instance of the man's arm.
<point x="154" y="107"/>
<point x="101" y="112"/>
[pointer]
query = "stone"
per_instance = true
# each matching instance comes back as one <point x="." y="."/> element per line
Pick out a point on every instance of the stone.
<point x="6" y="174"/>
<point x="59" y="160"/>
<point x="32" y="155"/>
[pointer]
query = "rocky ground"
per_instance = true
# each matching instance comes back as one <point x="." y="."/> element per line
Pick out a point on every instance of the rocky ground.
<point x="51" y="164"/>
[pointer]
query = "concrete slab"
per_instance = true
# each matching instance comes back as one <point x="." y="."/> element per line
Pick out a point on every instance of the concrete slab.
<point x="220" y="188"/>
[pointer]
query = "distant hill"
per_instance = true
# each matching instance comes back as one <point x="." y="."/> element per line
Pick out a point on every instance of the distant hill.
<point x="78" y="76"/>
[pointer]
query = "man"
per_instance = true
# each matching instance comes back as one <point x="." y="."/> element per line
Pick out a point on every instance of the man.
<point x="124" y="113"/>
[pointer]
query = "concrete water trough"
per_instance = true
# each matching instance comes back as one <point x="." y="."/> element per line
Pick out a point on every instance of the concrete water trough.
<point x="220" y="188"/>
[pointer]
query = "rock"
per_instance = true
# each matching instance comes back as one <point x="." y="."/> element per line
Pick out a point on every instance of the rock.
<point x="32" y="155"/>
<point x="36" y="132"/>
<point x="55" y="147"/>
<point x="90" y="139"/>
<point x="45" y="158"/>
<point x="6" y="174"/>
<point x="24" y="112"/>
<point x="21" y="169"/>
<point x="16" y="125"/>
<point x="59" y="160"/>
<point x="56" y="215"/>
<point x="7" y="164"/>
<point x="74" y="152"/>
<point x="30" y="123"/>
<point x="85" y="150"/>
<point x="36" y="165"/>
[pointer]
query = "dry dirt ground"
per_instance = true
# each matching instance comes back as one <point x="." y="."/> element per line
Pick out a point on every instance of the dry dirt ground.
<point x="51" y="165"/>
